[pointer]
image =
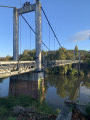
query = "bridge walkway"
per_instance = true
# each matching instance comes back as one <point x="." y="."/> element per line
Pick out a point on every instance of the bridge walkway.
<point x="11" y="68"/>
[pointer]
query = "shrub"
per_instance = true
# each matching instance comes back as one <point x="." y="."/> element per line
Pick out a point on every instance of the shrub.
<point x="3" y="111"/>
<point x="88" y="109"/>
<point x="11" y="118"/>
<point x="81" y="73"/>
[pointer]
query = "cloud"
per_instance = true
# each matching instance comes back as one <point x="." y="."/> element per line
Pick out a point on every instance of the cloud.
<point x="81" y="36"/>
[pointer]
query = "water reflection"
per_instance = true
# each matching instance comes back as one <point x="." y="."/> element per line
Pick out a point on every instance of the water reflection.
<point x="25" y="87"/>
<point x="17" y="87"/>
<point x="4" y="87"/>
<point x="54" y="89"/>
<point x="67" y="88"/>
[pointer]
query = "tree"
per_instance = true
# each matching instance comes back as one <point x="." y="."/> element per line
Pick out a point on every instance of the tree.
<point x="76" y="52"/>
<point x="76" y="48"/>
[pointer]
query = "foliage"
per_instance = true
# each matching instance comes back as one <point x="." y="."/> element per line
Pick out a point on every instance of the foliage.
<point x="76" y="48"/>
<point x="65" y="70"/>
<point x="81" y="73"/>
<point x="87" y="58"/>
<point x="76" y="52"/>
<point x="66" y="86"/>
<point x="27" y="55"/>
<point x="11" y="118"/>
<point x="7" y="104"/>
<point x="3" y="111"/>
<point x="60" y="54"/>
<point x="41" y="90"/>
<point x="88" y="109"/>
<point x="7" y="58"/>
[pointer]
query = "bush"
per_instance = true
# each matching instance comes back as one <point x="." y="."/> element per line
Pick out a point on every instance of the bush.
<point x="7" y="104"/>
<point x="3" y="111"/>
<point x="11" y="118"/>
<point x="88" y="109"/>
<point x="81" y="73"/>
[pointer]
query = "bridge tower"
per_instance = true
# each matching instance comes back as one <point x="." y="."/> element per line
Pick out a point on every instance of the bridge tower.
<point x="16" y="13"/>
<point x="15" y="34"/>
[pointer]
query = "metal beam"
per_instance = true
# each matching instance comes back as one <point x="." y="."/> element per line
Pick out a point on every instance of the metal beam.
<point x="26" y="9"/>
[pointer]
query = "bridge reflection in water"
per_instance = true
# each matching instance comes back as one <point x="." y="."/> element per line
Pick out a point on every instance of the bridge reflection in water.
<point x="19" y="87"/>
<point x="34" y="89"/>
<point x="23" y="85"/>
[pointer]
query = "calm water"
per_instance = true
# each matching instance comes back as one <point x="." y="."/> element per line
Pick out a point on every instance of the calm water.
<point x="55" y="89"/>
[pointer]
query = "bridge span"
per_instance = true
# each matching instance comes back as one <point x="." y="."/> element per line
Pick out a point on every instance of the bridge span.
<point x="11" y="68"/>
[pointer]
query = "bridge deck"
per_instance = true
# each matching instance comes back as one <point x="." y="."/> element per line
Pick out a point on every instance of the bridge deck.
<point x="11" y="68"/>
<point x="55" y="63"/>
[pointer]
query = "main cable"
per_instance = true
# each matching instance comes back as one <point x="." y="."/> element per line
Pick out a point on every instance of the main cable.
<point x="33" y="31"/>
<point x="52" y="29"/>
<point x="51" y="26"/>
<point x="6" y="6"/>
<point x="28" y="24"/>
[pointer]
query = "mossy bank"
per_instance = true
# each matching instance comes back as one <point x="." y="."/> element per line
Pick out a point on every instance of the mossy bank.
<point x="42" y="109"/>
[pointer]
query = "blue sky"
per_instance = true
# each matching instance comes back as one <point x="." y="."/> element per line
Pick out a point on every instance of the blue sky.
<point x="69" y="18"/>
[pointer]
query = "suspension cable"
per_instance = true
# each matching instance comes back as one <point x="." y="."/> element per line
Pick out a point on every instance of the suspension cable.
<point x="33" y="31"/>
<point x="52" y="29"/>
<point x="54" y="43"/>
<point x="51" y="26"/>
<point x="6" y="6"/>
<point x="28" y="24"/>
<point x="45" y="45"/>
<point x="30" y="39"/>
<point x="49" y="37"/>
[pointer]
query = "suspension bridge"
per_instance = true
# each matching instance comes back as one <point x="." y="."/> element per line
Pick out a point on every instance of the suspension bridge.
<point x="15" y="67"/>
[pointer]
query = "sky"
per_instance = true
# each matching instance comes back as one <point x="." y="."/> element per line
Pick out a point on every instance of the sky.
<point x="70" y="20"/>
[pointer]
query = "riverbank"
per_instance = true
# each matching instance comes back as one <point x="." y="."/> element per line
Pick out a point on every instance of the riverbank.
<point x="57" y="90"/>
<point x="23" y="107"/>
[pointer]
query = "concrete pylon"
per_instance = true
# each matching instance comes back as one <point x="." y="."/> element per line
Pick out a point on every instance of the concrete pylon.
<point x="38" y="35"/>
<point x="37" y="8"/>
<point x="15" y="35"/>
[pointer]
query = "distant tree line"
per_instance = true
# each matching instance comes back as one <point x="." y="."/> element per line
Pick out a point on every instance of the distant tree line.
<point x="60" y="54"/>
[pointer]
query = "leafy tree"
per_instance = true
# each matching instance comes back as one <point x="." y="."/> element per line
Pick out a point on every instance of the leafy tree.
<point x="76" y="48"/>
<point x="87" y="58"/>
<point x="76" y="52"/>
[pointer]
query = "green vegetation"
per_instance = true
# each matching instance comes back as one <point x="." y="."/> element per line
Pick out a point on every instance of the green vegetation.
<point x="65" y="70"/>
<point x="87" y="58"/>
<point x="27" y="55"/>
<point x="60" y="54"/>
<point x="67" y="86"/>
<point x="88" y="110"/>
<point x="7" y="104"/>
<point x="11" y="118"/>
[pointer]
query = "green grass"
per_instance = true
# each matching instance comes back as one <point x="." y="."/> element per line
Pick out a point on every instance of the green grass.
<point x="7" y="104"/>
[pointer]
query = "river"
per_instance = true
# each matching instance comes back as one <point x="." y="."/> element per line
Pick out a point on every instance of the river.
<point x="56" y="89"/>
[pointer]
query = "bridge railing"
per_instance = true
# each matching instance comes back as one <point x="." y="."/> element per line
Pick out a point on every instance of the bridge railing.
<point x="11" y="66"/>
<point x="54" y="63"/>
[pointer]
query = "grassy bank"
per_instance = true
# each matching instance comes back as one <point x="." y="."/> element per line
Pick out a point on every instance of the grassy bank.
<point x="7" y="104"/>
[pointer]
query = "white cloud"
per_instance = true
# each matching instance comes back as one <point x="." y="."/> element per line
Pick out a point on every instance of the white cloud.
<point x="80" y="36"/>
